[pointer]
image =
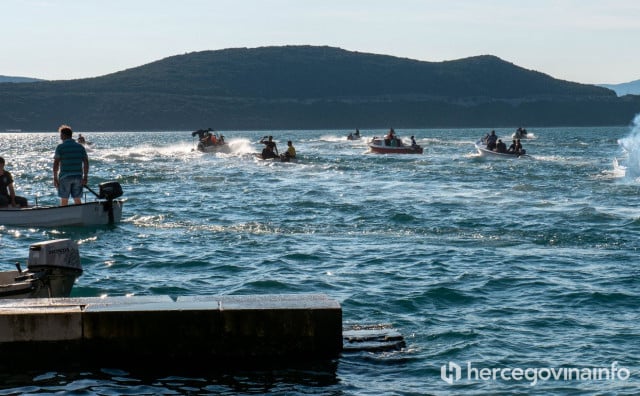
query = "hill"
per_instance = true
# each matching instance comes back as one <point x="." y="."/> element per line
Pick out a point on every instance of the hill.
<point x="309" y="87"/>
<point x="10" y="79"/>
<point x="628" y="88"/>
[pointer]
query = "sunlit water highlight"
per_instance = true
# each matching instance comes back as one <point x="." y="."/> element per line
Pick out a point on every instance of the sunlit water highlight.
<point x="518" y="263"/>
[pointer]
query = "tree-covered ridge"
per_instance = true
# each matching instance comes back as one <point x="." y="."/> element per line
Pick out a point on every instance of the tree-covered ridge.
<point x="311" y="87"/>
<point x="327" y="72"/>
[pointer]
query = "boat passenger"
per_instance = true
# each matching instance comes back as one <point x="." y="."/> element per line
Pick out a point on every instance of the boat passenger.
<point x="519" y="149"/>
<point x="357" y="133"/>
<point x="7" y="193"/>
<point x="270" y="150"/>
<point x="389" y="139"/>
<point x="501" y="147"/>
<point x="70" y="167"/>
<point x="492" y="140"/>
<point x="221" y="139"/>
<point x="512" y="148"/>
<point x="81" y="139"/>
<point x="291" y="151"/>
<point x="413" y="141"/>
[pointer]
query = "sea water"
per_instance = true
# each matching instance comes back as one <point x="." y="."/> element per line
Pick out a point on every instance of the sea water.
<point x="509" y="276"/>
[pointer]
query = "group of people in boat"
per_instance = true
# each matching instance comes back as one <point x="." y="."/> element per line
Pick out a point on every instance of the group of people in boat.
<point x="495" y="144"/>
<point x="393" y="140"/>
<point x="270" y="150"/>
<point x="206" y="138"/>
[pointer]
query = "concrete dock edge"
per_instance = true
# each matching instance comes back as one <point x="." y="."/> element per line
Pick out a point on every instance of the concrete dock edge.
<point x="216" y="329"/>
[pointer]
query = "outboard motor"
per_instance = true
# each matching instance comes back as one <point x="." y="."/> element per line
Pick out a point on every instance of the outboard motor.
<point x="110" y="191"/>
<point x="57" y="262"/>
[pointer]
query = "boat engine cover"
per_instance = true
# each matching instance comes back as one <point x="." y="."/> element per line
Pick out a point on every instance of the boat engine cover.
<point x="62" y="253"/>
<point x="110" y="190"/>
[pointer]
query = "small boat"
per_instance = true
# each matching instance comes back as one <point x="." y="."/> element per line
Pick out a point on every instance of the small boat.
<point x="52" y="268"/>
<point x="521" y="133"/>
<point x="210" y="142"/>
<point x="392" y="146"/>
<point x="485" y="152"/>
<point x="105" y="210"/>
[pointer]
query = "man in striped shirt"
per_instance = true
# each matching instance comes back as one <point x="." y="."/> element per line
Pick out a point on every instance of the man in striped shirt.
<point x="70" y="167"/>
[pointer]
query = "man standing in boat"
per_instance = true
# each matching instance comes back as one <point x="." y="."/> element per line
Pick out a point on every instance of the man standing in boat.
<point x="70" y="167"/>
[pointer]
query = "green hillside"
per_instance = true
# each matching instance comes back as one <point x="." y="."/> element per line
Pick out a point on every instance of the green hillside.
<point x="307" y="87"/>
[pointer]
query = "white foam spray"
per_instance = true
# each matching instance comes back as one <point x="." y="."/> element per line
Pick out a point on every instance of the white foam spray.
<point x="631" y="146"/>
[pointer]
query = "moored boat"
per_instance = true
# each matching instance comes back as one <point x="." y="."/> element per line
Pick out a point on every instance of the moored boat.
<point x="105" y="210"/>
<point x="52" y="268"/>
<point x="393" y="145"/>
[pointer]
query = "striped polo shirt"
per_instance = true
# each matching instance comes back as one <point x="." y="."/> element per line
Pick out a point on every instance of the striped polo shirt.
<point x="70" y="153"/>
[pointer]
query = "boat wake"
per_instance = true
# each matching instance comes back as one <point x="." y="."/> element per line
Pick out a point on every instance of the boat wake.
<point x="629" y="166"/>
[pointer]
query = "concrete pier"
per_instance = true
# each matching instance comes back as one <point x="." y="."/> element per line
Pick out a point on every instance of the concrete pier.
<point x="164" y="331"/>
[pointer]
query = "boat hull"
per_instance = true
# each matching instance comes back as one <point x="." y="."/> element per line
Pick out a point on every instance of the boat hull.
<point x="214" y="148"/>
<point x="85" y="214"/>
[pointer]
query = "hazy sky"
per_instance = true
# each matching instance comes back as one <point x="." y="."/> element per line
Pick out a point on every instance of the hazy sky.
<point x="585" y="41"/>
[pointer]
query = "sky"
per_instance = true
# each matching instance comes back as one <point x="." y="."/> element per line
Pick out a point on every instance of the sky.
<point x="585" y="41"/>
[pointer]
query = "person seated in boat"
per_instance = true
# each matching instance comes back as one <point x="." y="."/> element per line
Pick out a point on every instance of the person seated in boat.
<point x="271" y="146"/>
<point x="492" y="139"/>
<point x="213" y="140"/>
<point x="350" y="137"/>
<point x="221" y="139"/>
<point x="512" y="148"/>
<point x="81" y="139"/>
<point x="357" y="135"/>
<point x="291" y="151"/>
<point x="8" y="195"/>
<point x="519" y="149"/>
<point x="501" y="147"/>
<point x="413" y="141"/>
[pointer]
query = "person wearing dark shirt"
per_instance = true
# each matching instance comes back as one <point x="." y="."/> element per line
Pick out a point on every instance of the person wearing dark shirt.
<point x="492" y="140"/>
<point x="270" y="148"/>
<point x="7" y="193"/>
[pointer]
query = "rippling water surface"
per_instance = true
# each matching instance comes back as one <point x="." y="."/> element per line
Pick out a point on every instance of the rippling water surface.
<point x="528" y="263"/>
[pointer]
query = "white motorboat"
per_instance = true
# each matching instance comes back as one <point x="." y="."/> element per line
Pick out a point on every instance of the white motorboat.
<point x="485" y="152"/>
<point x="392" y="146"/>
<point x="52" y="268"/>
<point x="105" y="210"/>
